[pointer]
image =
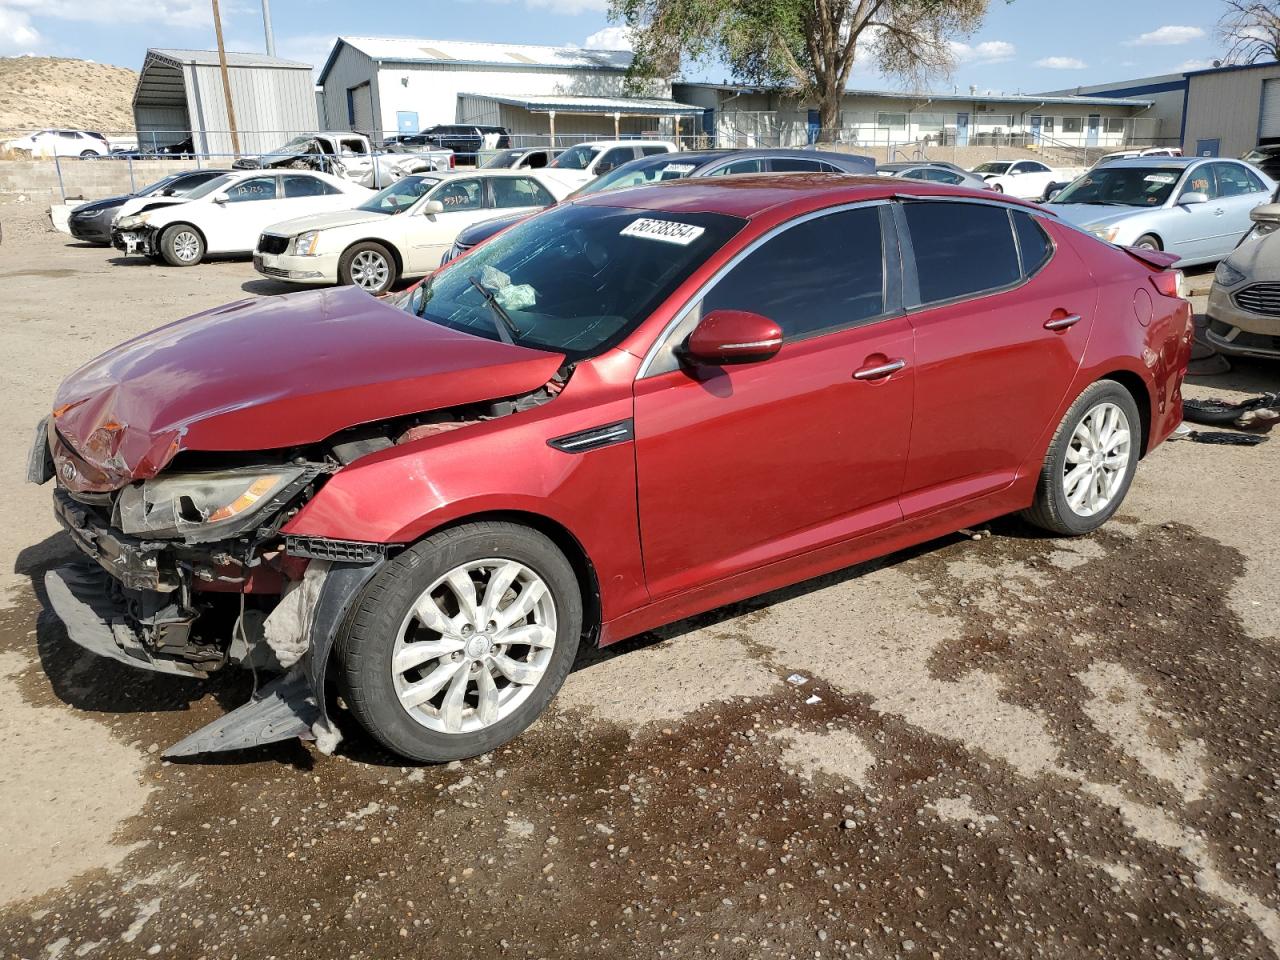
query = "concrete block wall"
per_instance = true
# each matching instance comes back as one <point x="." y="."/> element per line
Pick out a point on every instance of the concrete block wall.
<point x="83" y="179"/>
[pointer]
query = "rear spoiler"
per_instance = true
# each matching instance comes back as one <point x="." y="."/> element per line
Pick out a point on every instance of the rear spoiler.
<point x="1156" y="259"/>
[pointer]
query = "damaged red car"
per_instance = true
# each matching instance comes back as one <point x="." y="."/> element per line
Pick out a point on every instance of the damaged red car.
<point x="626" y="410"/>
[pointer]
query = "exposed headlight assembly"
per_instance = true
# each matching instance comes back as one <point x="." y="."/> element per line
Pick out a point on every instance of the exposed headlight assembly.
<point x="1108" y="234"/>
<point x="1226" y="275"/>
<point x="133" y="220"/>
<point x="304" y="244"/>
<point x="209" y="506"/>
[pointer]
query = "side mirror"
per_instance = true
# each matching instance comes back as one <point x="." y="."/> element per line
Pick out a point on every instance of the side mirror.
<point x="432" y="207"/>
<point x="733" y="336"/>
<point x="1194" y="197"/>
<point x="1053" y="193"/>
<point x="1266" y="213"/>
<point x="221" y="198"/>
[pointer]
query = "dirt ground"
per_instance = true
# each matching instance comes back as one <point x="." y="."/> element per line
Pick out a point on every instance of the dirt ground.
<point x="998" y="744"/>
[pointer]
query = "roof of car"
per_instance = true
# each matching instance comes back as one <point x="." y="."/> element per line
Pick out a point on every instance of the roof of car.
<point x="750" y="195"/>
<point x="1173" y="163"/>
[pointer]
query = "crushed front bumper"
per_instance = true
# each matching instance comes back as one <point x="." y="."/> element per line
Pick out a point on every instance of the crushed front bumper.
<point x="138" y="240"/>
<point x="136" y="564"/>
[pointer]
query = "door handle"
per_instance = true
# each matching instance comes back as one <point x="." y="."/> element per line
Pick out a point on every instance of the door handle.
<point x="879" y="371"/>
<point x="1061" y="323"/>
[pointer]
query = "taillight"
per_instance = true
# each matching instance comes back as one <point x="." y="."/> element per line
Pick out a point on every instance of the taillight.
<point x="1166" y="281"/>
<point x="453" y="161"/>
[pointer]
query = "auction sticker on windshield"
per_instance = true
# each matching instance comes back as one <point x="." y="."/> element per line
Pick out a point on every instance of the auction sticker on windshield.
<point x="667" y="231"/>
<point x="1160" y="178"/>
<point x="679" y="168"/>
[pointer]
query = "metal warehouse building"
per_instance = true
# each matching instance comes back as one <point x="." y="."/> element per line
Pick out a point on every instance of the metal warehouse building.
<point x="1230" y="110"/>
<point x="381" y="86"/>
<point x="180" y="95"/>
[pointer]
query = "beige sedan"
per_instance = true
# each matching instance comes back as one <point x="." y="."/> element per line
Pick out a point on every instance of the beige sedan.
<point x="1244" y="302"/>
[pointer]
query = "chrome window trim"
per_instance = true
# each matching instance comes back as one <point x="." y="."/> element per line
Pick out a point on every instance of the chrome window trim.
<point x="696" y="298"/>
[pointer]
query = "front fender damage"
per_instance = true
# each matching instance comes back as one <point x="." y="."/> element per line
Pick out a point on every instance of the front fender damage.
<point x="302" y="637"/>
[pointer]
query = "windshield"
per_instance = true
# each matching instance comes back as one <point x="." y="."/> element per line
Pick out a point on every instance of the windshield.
<point x="1122" y="186"/>
<point x="217" y="183"/>
<point x="400" y="196"/>
<point x="573" y="280"/>
<point x="507" y="158"/>
<point x="576" y="158"/>
<point x="637" y="173"/>
<point x="993" y="167"/>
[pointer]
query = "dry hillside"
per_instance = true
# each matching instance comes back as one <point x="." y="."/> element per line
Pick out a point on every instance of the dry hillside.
<point x="58" y="92"/>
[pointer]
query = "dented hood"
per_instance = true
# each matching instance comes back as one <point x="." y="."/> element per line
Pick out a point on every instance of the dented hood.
<point x="272" y="373"/>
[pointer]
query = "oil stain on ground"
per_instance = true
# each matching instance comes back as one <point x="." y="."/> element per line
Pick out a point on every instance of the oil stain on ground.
<point x="1138" y="820"/>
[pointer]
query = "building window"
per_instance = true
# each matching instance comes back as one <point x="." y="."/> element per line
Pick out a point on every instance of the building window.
<point x="1115" y="125"/>
<point x="1072" y="124"/>
<point x="1048" y="125"/>
<point x="894" y="120"/>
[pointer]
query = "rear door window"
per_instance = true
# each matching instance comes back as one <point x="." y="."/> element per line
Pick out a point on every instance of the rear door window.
<point x="961" y="249"/>
<point x="753" y="165"/>
<point x="652" y="150"/>
<point x="615" y="157"/>
<point x="794" y="165"/>
<point x="1235" y="180"/>
<point x="819" y="275"/>
<point x="520" y="192"/>
<point x="300" y="186"/>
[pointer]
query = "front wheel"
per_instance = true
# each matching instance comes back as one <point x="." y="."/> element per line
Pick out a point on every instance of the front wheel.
<point x="461" y="642"/>
<point x="1090" y="463"/>
<point x="368" y="266"/>
<point x="181" y="245"/>
<point x="997" y="188"/>
<point x="1147" y="242"/>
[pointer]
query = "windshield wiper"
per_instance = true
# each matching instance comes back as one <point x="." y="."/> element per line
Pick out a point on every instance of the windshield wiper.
<point x="506" y="327"/>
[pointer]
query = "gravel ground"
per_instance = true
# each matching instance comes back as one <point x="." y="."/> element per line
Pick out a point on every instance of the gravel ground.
<point x="1003" y="744"/>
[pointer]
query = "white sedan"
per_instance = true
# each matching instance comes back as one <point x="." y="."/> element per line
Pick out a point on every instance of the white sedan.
<point x="62" y="143"/>
<point x="1026" y="179"/>
<point x="227" y="214"/>
<point x="403" y="230"/>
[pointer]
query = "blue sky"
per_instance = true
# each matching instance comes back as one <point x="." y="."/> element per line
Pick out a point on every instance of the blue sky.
<point x="1027" y="45"/>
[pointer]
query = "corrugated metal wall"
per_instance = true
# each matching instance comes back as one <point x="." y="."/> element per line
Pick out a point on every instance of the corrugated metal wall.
<point x="350" y="69"/>
<point x="1225" y="106"/>
<point x="272" y="105"/>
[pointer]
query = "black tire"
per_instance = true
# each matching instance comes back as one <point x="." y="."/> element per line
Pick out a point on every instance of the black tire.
<point x="367" y="641"/>
<point x="1051" y="510"/>
<point x="1148" y="241"/>
<point x="361" y="258"/>
<point x="181" y="245"/>
<point x="997" y="188"/>
<point x="88" y="155"/>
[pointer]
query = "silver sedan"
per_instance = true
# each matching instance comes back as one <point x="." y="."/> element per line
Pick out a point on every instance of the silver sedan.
<point x="934" y="173"/>
<point x="1195" y="207"/>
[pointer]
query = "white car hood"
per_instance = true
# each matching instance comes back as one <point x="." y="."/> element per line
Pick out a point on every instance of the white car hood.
<point x="327" y="221"/>
<point x="134" y="204"/>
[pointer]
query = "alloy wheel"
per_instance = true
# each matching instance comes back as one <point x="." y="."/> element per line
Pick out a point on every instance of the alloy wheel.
<point x="1097" y="459"/>
<point x="186" y="246"/>
<point x="474" y="646"/>
<point x="369" y="270"/>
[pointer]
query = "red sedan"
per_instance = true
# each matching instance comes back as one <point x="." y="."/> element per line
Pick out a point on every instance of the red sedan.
<point x="623" y="411"/>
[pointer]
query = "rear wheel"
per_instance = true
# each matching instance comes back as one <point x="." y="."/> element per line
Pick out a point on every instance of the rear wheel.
<point x="462" y="641"/>
<point x="1090" y="463"/>
<point x="368" y="266"/>
<point x="1147" y="241"/>
<point x="181" y="245"/>
<point x="87" y="154"/>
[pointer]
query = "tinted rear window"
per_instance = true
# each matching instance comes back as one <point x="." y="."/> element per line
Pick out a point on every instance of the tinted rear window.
<point x="961" y="249"/>
<point x="1034" y="246"/>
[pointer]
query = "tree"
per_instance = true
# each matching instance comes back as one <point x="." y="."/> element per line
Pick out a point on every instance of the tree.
<point x="1250" y="29"/>
<point x="809" y="46"/>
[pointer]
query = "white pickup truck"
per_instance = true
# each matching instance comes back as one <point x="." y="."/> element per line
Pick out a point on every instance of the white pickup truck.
<point x="349" y="156"/>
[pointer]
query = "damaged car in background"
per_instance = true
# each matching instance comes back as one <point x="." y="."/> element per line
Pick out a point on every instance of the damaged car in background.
<point x="349" y="156"/>
<point x="416" y="509"/>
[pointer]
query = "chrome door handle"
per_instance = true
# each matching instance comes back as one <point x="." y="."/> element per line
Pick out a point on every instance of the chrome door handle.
<point x="1062" y="322"/>
<point x="883" y="370"/>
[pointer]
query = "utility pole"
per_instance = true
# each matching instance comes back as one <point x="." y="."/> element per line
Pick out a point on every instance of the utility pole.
<point x="266" y="26"/>
<point x="226" y="80"/>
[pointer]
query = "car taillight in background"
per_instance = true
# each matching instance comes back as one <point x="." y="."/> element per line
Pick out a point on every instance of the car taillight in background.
<point x="453" y="161"/>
